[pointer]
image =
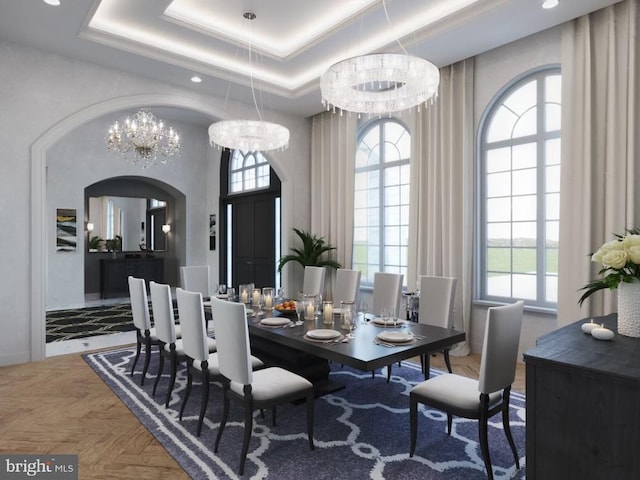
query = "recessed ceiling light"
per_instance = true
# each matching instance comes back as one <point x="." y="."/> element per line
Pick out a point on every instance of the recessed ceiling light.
<point x="196" y="79"/>
<point x="55" y="3"/>
<point x="550" y="4"/>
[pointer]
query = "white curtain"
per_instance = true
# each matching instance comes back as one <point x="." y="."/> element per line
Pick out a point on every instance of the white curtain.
<point x="600" y="109"/>
<point x="333" y="150"/>
<point x="442" y="190"/>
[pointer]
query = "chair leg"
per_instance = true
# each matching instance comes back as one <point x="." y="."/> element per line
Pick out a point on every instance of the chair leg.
<point x="449" y="423"/>
<point x="373" y="374"/>
<point x="225" y="414"/>
<point x="147" y="356"/>
<point x="187" y="390"/>
<point x="248" y="428"/>
<point x="483" y="433"/>
<point x="160" y="370"/>
<point x="389" y="367"/>
<point x="507" y="426"/>
<point x="413" y="423"/>
<point x="273" y="416"/>
<point x="172" y="380"/>
<point x="138" y="348"/>
<point x="205" y="398"/>
<point x="447" y="361"/>
<point x="310" y="417"/>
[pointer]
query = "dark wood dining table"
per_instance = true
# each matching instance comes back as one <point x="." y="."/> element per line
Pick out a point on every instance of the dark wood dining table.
<point x="287" y="347"/>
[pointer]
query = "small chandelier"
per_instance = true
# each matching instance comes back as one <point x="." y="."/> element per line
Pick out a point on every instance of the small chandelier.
<point x="249" y="135"/>
<point x="145" y="137"/>
<point x="379" y="84"/>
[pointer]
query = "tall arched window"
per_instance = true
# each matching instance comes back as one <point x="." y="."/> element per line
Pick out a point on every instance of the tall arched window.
<point x="381" y="204"/>
<point x="519" y="191"/>
<point x="248" y="171"/>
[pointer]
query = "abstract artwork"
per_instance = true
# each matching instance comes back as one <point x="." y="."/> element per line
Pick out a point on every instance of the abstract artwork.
<point x="66" y="230"/>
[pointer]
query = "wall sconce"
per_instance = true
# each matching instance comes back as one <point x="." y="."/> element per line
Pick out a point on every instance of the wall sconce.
<point x="166" y="228"/>
<point x="90" y="227"/>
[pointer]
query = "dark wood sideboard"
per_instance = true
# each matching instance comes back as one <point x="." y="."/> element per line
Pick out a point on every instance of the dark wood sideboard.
<point x="115" y="271"/>
<point x="583" y="405"/>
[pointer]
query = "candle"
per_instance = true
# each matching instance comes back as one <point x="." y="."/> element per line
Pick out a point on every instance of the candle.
<point x="268" y="301"/>
<point x="328" y="312"/>
<point x="256" y="296"/>
<point x="244" y="297"/>
<point x="601" y="333"/>
<point x="310" y="311"/>
<point x="588" y="327"/>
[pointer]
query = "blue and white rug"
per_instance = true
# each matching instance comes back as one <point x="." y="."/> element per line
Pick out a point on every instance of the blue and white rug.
<point x="361" y="432"/>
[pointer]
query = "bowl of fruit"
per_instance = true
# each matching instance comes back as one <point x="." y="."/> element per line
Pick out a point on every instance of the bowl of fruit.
<point x="288" y="306"/>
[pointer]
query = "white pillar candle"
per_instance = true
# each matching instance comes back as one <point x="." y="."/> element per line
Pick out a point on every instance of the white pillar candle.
<point x="268" y="301"/>
<point x="256" y="297"/>
<point x="310" y="311"/>
<point x="328" y="312"/>
<point x="244" y="297"/>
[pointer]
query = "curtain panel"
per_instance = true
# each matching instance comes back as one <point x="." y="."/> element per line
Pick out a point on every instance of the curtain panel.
<point x="442" y="190"/>
<point x="333" y="151"/>
<point x="600" y="171"/>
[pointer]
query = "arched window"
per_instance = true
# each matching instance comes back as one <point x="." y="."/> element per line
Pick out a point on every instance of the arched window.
<point x="381" y="203"/>
<point x="519" y="188"/>
<point x="248" y="171"/>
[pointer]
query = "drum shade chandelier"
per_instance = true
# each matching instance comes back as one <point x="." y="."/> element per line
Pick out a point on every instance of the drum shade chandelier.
<point x="379" y="83"/>
<point x="249" y="135"/>
<point x="145" y="138"/>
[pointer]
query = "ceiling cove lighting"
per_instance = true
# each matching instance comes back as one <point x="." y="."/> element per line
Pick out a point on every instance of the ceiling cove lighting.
<point x="145" y="138"/>
<point x="550" y="4"/>
<point x="379" y="83"/>
<point x="249" y="135"/>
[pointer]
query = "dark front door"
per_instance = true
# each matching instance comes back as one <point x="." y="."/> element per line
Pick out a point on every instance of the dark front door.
<point x="253" y="223"/>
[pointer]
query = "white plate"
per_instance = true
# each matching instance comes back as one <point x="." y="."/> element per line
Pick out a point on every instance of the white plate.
<point x="397" y="337"/>
<point x="275" y="322"/>
<point x="386" y="323"/>
<point x="323" y="334"/>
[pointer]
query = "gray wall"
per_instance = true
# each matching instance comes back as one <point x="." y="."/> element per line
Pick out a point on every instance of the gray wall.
<point x="46" y="97"/>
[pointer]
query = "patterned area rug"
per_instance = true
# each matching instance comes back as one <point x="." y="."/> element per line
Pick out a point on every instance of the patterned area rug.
<point x="361" y="432"/>
<point x="88" y="322"/>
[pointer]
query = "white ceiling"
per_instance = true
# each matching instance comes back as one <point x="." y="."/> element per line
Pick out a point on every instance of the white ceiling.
<point x="292" y="41"/>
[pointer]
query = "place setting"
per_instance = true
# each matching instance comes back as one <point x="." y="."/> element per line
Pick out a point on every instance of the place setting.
<point x="394" y="338"/>
<point x="325" y="336"/>
<point x="276" y="322"/>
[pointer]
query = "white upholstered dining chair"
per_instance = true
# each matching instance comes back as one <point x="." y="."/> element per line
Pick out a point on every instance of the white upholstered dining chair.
<point x="437" y="295"/>
<point x="313" y="282"/>
<point x="196" y="279"/>
<point x="387" y="291"/>
<point x="347" y="286"/>
<point x="478" y="399"/>
<point x="145" y="333"/>
<point x="260" y="389"/>
<point x="168" y="334"/>
<point x="194" y="340"/>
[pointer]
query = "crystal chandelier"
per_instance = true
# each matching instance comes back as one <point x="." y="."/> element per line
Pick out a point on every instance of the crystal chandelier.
<point x="379" y="84"/>
<point x="249" y="135"/>
<point x="145" y="137"/>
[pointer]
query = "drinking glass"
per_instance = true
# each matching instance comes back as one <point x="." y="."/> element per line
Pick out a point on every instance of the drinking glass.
<point x="347" y="315"/>
<point x="222" y="289"/>
<point x="311" y="308"/>
<point x="231" y="292"/>
<point x="363" y="307"/>
<point x="299" y="309"/>
<point x="267" y="294"/>
<point x="256" y="299"/>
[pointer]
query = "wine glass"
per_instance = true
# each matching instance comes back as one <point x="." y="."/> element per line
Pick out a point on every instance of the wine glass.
<point x="363" y="307"/>
<point x="299" y="310"/>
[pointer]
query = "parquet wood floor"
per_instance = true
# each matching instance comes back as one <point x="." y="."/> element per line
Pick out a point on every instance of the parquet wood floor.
<point x="60" y="405"/>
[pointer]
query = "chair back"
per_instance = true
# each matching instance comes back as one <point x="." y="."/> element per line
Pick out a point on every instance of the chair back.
<point x="387" y="289"/>
<point x="347" y="286"/>
<point x="232" y="338"/>
<point x="139" y="303"/>
<point x="192" y="324"/>
<point x="163" y="318"/>
<point x="313" y="283"/>
<point x="436" y="301"/>
<point x="500" y="348"/>
<point x="196" y="279"/>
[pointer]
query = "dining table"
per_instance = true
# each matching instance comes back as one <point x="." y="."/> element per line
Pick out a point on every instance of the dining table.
<point x="309" y="346"/>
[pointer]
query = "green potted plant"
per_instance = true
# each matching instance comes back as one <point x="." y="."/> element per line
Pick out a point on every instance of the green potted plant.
<point x="313" y="248"/>
<point x="95" y="243"/>
<point x="113" y="245"/>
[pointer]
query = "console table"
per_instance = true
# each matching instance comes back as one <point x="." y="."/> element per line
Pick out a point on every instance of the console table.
<point x="583" y="405"/>
<point x="115" y="271"/>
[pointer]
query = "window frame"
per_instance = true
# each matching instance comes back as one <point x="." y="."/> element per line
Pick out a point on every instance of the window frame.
<point x="363" y="131"/>
<point x="541" y="303"/>
<point x="244" y="170"/>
